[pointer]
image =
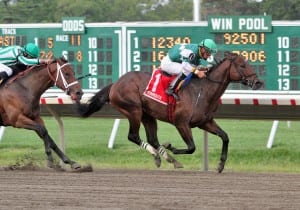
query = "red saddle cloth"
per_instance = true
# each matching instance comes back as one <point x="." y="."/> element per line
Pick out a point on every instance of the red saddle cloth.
<point x="157" y="85"/>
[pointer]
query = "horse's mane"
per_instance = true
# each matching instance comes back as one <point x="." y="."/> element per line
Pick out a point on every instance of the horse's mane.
<point x="62" y="58"/>
<point x="228" y="55"/>
<point x="22" y="70"/>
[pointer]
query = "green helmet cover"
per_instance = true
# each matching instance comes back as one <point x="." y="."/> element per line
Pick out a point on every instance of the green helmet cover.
<point x="32" y="50"/>
<point x="209" y="45"/>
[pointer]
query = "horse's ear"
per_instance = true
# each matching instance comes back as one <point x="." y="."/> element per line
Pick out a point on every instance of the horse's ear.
<point x="217" y="61"/>
<point x="228" y="54"/>
<point x="63" y="58"/>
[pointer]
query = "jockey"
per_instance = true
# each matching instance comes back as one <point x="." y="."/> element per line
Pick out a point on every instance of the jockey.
<point x="182" y="59"/>
<point x="14" y="55"/>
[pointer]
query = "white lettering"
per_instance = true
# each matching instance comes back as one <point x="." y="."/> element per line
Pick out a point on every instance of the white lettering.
<point x="252" y="24"/>
<point x="221" y="23"/>
<point x="62" y="38"/>
<point x="73" y="25"/>
<point x="9" y="31"/>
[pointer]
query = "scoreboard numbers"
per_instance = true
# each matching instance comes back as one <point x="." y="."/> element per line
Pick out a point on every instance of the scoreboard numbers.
<point x="108" y="50"/>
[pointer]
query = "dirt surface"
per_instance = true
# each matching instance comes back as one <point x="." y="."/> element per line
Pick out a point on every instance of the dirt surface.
<point x="147" y="189"/>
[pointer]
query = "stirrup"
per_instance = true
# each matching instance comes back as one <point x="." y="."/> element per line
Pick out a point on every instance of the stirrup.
<point x="176" y="96"/>
<point x="168" y="92"/>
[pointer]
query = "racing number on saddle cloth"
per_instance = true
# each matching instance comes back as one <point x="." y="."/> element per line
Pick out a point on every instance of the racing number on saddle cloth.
<point x="157" y="86"/>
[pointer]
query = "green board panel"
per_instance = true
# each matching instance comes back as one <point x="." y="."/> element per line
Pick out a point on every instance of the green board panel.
<point x="275" y="54"/>
<point x="108" y="50"/>
<point x="95" y="52"/>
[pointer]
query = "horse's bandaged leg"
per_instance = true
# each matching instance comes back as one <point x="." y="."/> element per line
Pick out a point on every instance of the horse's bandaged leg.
<point x="164" y="153"/>
<point x="169" y="158"/>
<point x="149" y="148"/>
<point x="153" y="152"/>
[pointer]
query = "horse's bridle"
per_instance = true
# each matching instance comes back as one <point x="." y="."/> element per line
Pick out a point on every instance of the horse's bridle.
<point x="59" y="72"/>
<point x="244" y="78"/>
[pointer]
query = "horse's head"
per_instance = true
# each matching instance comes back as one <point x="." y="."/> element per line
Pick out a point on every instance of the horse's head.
<point x="63" y="76"/>
<point x="241" y="71"/>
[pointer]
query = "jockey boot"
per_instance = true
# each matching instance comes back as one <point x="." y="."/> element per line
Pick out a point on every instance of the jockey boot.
<point x="3" y="76"/>
<point x="173" y="85"/>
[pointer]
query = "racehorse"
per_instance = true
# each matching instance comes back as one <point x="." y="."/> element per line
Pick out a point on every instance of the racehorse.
<point x="20" y="101"/>
<point x="196" y="107"/>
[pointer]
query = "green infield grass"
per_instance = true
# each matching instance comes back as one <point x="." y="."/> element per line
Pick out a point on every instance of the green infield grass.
<point x="86" y="142"/>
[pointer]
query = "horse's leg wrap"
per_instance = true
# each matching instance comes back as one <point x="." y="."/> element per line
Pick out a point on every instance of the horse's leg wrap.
<point x="164" y="153"/>
<point x="152" y="151"/>
<point x="169" y="158"/>
<point x="149" y="148"/>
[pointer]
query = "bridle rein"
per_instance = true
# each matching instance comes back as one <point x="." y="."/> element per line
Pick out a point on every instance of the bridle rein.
<point x="59" y="73"/>
<point x="244" y="78"/>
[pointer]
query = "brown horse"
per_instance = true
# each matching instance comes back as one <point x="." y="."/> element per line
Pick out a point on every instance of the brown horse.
<point x="196" y="108"/>
<point x="20" y="101"/>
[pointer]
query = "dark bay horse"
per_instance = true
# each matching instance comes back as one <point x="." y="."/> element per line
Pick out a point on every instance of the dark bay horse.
<point x="196" y="108"/>
<point x="20" y="101"/>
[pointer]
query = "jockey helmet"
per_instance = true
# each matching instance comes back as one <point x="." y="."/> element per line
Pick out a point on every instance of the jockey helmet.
<point x="32" y="50"/>
<point x="209" y="45"/>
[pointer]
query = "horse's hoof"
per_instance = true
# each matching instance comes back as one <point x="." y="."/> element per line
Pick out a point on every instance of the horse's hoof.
<point x="50" y="164"/>
<point x="177" y="165"/>
<point x="220" y="167"/>
<point x="157" y="161"/>
<point x="75" y="166"/>
<point x="55" y="166"/>
<point x="82" y="169"/>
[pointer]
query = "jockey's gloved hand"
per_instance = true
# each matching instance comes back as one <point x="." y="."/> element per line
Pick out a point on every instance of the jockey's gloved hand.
<point x="46" y="61"/>
<point x="200" y="74"/>
<point x="200" y="71"/>
<point x="202" y="68"/>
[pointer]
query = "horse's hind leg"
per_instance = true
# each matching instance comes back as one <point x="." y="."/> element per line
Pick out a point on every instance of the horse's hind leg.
<point x="134" y="118"/>
<point x="186" y="134"/>
<point x="213" y="128"/>
<point x="150" y="125"/>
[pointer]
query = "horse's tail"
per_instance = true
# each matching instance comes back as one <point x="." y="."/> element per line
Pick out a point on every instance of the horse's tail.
<point x="95" y="103"/>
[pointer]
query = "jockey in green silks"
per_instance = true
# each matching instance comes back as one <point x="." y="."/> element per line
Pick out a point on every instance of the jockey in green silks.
<point x="183" y="59"/>
<point x="14" y="55"/>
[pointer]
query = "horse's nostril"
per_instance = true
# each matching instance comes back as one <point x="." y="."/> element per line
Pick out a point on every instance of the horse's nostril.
<point x="79" y="94"/>
<point x="257" y="85"/>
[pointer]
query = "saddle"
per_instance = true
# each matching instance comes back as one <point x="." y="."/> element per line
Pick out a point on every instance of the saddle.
<point x="157" y="85"/>
<point x="156" y="90"/>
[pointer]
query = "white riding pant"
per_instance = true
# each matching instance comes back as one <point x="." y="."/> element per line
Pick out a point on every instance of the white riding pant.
<point x="5" y="68"/>
<point x="175" y="68"/>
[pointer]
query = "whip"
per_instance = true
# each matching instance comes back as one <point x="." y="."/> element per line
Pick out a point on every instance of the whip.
<point x="84" y="76"/>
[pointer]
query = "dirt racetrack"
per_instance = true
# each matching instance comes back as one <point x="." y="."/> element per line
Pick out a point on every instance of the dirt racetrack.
<point x="147" y="189"/>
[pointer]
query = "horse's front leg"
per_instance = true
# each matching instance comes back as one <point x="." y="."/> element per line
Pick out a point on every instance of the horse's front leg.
<point x="212" y="127"/>
<point x="50" y="144"/>
<point x="39" y="127"/>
